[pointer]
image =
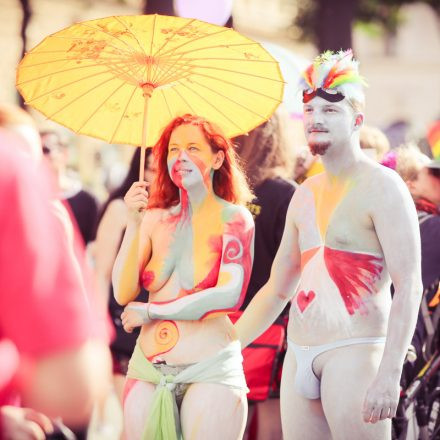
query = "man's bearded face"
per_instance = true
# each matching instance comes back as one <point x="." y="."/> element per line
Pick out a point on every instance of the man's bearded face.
<point x="318" y="147"/>
<point x="327" y="123"/>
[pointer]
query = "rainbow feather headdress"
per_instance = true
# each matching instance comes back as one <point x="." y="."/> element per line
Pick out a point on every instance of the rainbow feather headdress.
<point x="335" y="71"/>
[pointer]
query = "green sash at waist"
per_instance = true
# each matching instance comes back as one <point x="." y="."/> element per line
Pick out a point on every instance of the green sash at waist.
<point x="225" y="368"/>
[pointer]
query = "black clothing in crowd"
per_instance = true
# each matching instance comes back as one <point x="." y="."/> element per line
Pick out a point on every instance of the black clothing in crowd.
<point x="269" y="209"/>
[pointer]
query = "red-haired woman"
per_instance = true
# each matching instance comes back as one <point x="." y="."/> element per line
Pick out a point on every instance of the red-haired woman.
<point x="190" y="244"/>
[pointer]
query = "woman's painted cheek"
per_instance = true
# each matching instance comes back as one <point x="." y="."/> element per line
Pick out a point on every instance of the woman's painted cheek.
<point x="172" y="171"/>
<point x="203" y="167"/>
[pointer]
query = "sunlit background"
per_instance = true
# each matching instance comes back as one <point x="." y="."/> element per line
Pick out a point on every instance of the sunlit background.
<point x="397" y="43"/>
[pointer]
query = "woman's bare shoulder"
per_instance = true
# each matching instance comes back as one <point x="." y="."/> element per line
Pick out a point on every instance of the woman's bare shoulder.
<point x="154" y="216"/>
<point x="157" y="212"/>
<point x="114" y="218"/>
<point x="116" y="209"/>
<point x="234" y="212"/>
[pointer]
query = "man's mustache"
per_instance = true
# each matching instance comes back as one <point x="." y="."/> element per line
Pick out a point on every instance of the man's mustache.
<point x="317" y="127"/>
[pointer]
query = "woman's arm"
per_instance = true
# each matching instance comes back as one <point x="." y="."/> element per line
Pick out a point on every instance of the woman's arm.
<point x="108" y="240"/>
<point x="227" y="295"/>
<point x="271" y="299"/>
<point x="135" y="250"/>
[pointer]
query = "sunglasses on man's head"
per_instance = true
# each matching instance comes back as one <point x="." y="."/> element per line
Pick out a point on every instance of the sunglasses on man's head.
<point x="327" y="94"/>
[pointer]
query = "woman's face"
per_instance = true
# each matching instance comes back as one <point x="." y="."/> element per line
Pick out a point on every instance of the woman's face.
<point x="150" y="169"/>
<point x="190" y="159"/>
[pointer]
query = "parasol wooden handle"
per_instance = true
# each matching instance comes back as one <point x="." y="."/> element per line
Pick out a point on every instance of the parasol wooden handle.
<point x="147" y="92"/>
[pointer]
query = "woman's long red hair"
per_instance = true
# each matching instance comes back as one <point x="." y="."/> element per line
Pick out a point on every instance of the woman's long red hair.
<point x="229" y="182"/>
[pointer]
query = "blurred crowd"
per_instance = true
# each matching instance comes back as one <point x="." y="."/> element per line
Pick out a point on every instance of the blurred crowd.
<point x="63" y="351"/>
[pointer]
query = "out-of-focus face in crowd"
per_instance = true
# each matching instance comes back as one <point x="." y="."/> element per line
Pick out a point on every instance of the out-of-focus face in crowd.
<point x="54" y="151"/>
<point x="427" y="185"/>
<point x="150" y="169"/>
<point x="16" y="120"/>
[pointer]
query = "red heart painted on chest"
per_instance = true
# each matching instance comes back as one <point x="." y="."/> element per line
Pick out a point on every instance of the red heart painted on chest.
<point x="303" y="299"/>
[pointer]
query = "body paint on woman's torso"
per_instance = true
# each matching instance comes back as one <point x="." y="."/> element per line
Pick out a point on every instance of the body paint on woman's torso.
<point x="187" y="244"/>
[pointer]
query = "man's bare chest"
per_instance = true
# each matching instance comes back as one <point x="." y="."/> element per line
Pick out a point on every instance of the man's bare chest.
<point x="340" y="220"/>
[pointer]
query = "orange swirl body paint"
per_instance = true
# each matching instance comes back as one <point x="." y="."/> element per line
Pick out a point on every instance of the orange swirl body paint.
<point x="165" y="338"/>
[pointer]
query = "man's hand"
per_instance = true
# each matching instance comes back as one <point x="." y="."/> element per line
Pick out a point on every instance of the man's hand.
<point x="134" y="315"/>
<point x="381" y="399"/>
<point x="23" y="424"/>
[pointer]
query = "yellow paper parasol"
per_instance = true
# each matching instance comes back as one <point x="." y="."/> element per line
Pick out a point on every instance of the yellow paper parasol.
<point x="122" y="79"/>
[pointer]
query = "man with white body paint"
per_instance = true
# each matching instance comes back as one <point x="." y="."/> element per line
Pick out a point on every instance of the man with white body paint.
<point x="349" y="232"/>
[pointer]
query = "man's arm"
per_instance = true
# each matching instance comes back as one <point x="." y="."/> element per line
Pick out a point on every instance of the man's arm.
<point x="396" y="225"/>
<point x="227" y="295"/>
<point x="271" y="299"/>
<point x="106" y="245"/>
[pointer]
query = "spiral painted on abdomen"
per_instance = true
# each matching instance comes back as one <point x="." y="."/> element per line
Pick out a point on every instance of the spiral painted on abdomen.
<point x="166" y="333"/>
